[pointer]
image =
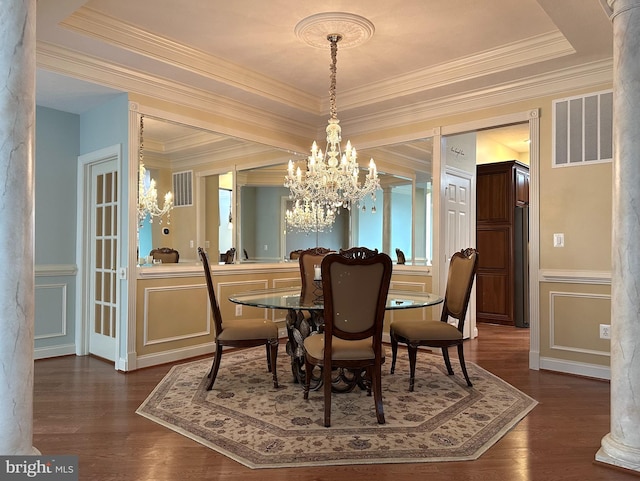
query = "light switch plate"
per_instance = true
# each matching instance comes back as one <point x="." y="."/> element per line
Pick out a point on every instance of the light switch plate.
<point x="558" y="240"/>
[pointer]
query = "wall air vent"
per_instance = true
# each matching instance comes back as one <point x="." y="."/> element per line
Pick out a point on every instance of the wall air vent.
<point x="583" y="129"/>
<point x="183" y="188"/>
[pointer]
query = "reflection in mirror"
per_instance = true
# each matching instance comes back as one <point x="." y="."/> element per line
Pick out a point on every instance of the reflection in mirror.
<point x="264" y="234"/>
<point x="405" y="202"/>
<point x="229" y="193"/>
<point x="197" y="166"/>
<point x="402" y="218"/>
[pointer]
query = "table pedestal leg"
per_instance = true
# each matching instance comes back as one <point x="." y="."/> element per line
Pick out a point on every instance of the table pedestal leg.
<point x="299" y="327"/>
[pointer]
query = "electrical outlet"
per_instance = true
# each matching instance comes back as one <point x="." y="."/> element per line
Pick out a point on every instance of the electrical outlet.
<point x="207" y="244"/>
<point x="238" y="309"/>
<point x="605" y="331"/>
<point x="191" y="244"/>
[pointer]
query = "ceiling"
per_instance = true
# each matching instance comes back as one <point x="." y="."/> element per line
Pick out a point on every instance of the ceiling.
<point x="424" y="58"/>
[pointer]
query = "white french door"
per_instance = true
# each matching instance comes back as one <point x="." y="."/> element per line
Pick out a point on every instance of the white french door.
<point x="103" y="258"/>
<point x="98" y="246"/>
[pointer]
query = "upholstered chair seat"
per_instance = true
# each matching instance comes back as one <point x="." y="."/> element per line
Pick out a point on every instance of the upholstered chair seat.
<point x="417" y="330"/>
<point x="247" y="329"/>
<point x="341" y="349"/>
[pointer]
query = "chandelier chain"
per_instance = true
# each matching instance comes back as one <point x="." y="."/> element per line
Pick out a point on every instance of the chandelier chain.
<point x="333" y="39"/>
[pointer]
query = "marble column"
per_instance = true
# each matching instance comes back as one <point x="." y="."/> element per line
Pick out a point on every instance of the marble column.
<point x="621" y="447"/>
<point x="17" y="129"/>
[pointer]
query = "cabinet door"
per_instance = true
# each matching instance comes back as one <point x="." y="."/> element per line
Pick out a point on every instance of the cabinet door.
<point x="522" y="188"/>
<point x="494" y="278"/>
<point x="493" y="193"/>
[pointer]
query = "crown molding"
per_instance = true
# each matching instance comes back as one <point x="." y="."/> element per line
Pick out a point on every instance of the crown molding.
<point x="94" y="24"/>
<point x="518" y="54"/>
<point x="68" y="62"/>
<point x="260" y="122"/>
<point x="554" y="83"/>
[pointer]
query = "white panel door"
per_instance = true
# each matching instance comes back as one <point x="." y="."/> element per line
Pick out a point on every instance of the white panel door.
<point x="458" y="229"/>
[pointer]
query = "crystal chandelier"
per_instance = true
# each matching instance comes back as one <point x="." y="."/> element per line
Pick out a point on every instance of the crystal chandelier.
<point x="331" y="178"/>
<point x="308" y="217"/>
<point x="148" y="194"/>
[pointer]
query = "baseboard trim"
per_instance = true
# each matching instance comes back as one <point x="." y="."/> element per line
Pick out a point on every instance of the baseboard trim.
<point x="54" y="351"/>
<point x="578" y="368"/>
<point x="174" y="355"/>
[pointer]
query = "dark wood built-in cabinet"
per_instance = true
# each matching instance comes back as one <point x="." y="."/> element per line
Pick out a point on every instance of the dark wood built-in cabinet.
<point x="502" y="240"/>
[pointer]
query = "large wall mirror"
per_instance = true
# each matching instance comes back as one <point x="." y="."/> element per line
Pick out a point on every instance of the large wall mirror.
<point x="229" y="194"/>
<point x="399" y="222"/>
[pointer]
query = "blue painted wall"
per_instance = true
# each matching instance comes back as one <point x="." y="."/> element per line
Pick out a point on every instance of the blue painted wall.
<point x="57" y="143"/>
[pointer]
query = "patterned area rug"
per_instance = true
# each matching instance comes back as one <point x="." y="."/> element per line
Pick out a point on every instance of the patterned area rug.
<point x="248" y="420"/>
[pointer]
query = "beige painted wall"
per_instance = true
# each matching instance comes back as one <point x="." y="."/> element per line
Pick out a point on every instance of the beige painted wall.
<point x="575" y="201"/>
<point x="172" y="313"/>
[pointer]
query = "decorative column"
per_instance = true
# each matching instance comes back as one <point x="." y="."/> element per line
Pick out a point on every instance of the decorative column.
<point x="621" y="447"/>
<point x="386" y="220"/>
<point x="17" y="128"/>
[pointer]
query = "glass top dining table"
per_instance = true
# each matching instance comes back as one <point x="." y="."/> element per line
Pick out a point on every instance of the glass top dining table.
<point x="300" y="326"/>
<point x="289" y="298"/>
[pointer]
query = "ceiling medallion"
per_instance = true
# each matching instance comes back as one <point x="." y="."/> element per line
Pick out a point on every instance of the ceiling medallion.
<point x="353" y="29"/>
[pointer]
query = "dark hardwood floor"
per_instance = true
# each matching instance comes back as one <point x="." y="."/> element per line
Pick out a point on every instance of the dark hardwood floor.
<point x="83" y="406"/>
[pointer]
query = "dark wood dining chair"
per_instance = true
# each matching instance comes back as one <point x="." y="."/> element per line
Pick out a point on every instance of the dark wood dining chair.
<point x="165" y="254"/>
<point x="308" y="259"/>
<point x="416" y="332"/>
<point x="229" y="256"/>
<point x="238" y="333"/>
<point x="358" y="252"/>
<point x="355" y="294"/>
<point x="295" y="255"/>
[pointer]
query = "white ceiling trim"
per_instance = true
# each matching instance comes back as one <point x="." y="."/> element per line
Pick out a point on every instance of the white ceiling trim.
<point x="584" y="76"/>
<point x="540" y="48"/>
<point x="94" y="70"/>
<point x="91" y="69"/>
<point x="518" y="54"/>
<point x="198" y="140"/>
<point x="91" y="23"/>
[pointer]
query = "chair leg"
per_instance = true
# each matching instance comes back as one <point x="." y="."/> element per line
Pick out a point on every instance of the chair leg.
<point x="214" y="367"/>
<point x="268" y="346"/>
<point x="326" y="374"/>
<point x="376" y="381"/>
<point x="394" y="351"/>
<point x="447" y="361"/>
<point x="463" y="365"/>
<point x="272" y="356"/>
<point x="413" y="353"/>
